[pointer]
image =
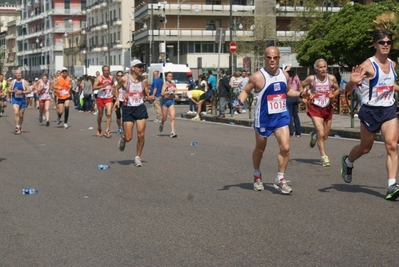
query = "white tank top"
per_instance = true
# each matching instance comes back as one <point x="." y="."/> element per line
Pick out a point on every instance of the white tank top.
<point x="321" y="91"/>
<point x="107" y="91"/>
<point x="134" y="90"/>
<point x="378" y="91"/>
<point x="44" y="94"/>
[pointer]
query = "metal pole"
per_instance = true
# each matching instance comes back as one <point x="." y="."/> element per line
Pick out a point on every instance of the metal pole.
<point x="151" y="36"/>
<point x="108" y="34"/>
<point x="164" y="31"/>
<point x="152" y="52"/>
<point x="231" y="34"/>
<point x="178" y="35"/>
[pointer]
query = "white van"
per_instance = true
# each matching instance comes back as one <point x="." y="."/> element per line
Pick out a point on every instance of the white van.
<point x="180" y="77"/>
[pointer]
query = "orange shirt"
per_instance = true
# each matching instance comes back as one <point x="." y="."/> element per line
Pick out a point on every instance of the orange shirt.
<point x="65" y="84"/>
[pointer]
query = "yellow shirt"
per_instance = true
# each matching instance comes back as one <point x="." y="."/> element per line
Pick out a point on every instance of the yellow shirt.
<point x="195" y="94"/>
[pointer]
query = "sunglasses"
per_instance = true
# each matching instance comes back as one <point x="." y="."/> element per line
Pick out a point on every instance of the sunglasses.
<point x="274" y="58"/>
<point x="119" y="75"/>
<point x="382" y="42"/>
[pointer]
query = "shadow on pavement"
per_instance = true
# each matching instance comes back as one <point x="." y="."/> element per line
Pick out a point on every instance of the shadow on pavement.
<point x="308" y="161"/>
<point x="353" y="189"/>
<point x="250" y="186"/>
<point x="124" y="162"/>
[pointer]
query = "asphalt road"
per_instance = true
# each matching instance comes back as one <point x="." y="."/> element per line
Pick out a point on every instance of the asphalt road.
<point x="187" y="205"/>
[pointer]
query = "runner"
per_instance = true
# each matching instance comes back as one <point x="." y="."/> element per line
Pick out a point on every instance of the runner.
<point x="3" y="94"/>
<point x="134" y="111"/>
<point x="378" y="110"/>
<point x="62" y="87"/>
<point x="271" y="115"/>
<point x="168" y="103"/>
<point x="19" y="89"/>
<point x="119" y="96"/>
<point x="103" y="84"/>
<point x="324" y="88"/>
<point x="44" y="99"/>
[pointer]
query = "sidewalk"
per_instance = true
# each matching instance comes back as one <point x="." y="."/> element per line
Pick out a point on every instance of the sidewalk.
<point x="341" y="124"/>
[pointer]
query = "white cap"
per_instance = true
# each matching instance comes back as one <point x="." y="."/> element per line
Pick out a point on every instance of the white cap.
<point x="136" y="62"/>
<point x="64" y="68"/>
<point x="36" y="79"/>
<point x="9" y="78"/>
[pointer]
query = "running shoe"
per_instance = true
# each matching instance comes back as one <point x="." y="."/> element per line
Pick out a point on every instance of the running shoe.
<point x="196" y="118"/>
<point x="121" y="144"/>
<point x="95" y="113"/>
<point x="59" y="121"/>
<point x="137" y="161"/>
<point x="258" y="185"/>
<point x="173" y="134"/>
<point x="107" y="134"/>
<point x="47" y="123"/>
<point x="40" y="118"/>
<point x="120" y="131"/>
<point x="161" y="127"/>
<point x="99" y="133"/>
<point x="17" y="131"/>
<point x="346" y="171"/>
<point x="312" y="139"/>
<point x="283" y="187"/>
<point x="325" y="161"/>
<point x="392" y="192"/>
<point x="65" y="126"/>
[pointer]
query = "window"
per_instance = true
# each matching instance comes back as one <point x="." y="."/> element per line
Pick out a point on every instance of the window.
<point x="67" y="4"/>
<point x="208" y="48"/>
<point x="212" y="24"/>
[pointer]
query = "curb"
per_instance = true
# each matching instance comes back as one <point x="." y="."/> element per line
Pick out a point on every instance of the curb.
<point x="338" y="133"/>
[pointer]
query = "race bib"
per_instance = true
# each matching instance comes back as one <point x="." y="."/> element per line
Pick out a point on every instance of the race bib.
<point x="321" y="99"/>
<point x="276" y="103"/>
<point x="18" y="95"/>
<point x="64" y="92"/>
<point x="384" y="94"/>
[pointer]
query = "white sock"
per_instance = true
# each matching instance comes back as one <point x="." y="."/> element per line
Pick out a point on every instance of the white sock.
<point x="280" y="175"/>
<point x="391" y="181"/>
<point x="348" y="163"/>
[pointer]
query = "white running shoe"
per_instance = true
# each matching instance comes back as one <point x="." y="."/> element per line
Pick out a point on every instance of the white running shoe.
<point x="65" y="126"/>
<point x="283" y="187"/>
<point x="258" y="185"/>
<point x="137" y="161"/>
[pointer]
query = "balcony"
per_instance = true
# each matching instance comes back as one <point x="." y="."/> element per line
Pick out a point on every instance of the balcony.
<point x="188" y="35"/>
<point x="193" y="9"/>
<point x="292" y="11"/>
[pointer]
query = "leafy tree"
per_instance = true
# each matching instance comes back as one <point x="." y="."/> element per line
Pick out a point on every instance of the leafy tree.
<point x="344" y="37"/>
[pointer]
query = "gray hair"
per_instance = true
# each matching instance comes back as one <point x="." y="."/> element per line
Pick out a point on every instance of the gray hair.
<point x="319" y="60"/>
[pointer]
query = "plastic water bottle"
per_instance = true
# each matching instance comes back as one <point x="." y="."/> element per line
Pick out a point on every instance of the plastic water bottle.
<point x="193" y="143"/>
<point x="29" y="191"/>
<point x="103" y="167"/>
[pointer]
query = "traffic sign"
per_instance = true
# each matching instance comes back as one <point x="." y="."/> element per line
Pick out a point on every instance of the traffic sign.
<point x="233" y="47"/>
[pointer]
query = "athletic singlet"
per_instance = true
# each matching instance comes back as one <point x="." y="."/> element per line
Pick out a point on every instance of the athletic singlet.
<point x="134" y="90"/>
<point x="107" y="91"/>
<point x="65" y="85"/>
<point x="171" y="88"/>
<point x="378" y="91"/>
<point x="44" y="94"/>
<point x="19" y="85"/>
<point x="271" y="99"/>
<point x="321" y="91"/>
<point x="121" y="94"/>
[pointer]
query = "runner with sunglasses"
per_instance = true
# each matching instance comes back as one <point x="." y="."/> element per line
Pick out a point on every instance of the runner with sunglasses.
<point x="378" y="110"/>
<point x="134" y="111"/>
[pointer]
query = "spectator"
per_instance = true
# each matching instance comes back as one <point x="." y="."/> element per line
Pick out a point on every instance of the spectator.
<point x="198" y="97"/>
<point x="155" y="91"/>
<point x="235" y="83"/>
<point x="87" y="92"/>
<point x="224" y="92"/>
<point x="191" y="86"/>
<point x="292" y="103"/>
<point x="202" y="83"/>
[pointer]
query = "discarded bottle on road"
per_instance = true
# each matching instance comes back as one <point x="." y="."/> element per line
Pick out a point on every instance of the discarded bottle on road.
<point x="29" y="191"/>
<point x="103" y="167"/>
<point x="193" y="143"/>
